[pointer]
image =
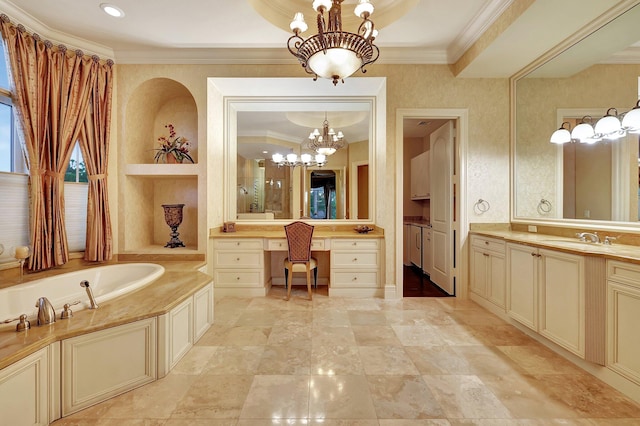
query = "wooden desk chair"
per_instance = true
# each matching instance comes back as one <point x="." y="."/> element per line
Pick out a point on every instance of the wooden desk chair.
<point x="299" y="236"/>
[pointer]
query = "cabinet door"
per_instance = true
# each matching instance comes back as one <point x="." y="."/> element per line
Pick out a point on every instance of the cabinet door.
<point x="24" y="391"/>
<point x="522" y="288"/>
<point x="420" y="184"/>
<point x="496" y="284"/>
<point x="416" y="246"/>
<point x="623" y="317"/>
<point x="562" y="315"/>
<point x="479" y="272"/>
<point x="202" y="311"/>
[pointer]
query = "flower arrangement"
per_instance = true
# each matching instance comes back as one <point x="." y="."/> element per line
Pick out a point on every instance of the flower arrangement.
<point x="173" y="147"/>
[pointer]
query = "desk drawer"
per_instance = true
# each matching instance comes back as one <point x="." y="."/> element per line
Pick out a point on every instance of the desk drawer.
<point x="351" y="259"/>
<point x="237" y="243"/>
<point x="359" y="244"/>
<point x="234" y="259"/>
<point x="280" y="244"/>
<point x="354" y="279"/>
<point x="238" y="278"/>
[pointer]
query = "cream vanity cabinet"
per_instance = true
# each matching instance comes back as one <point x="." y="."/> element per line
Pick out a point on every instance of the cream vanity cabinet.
<point x="546" y="292"/>
<point x="488" y="269"/>
<point x="420" y="179"/>
<point x="623" y="318"/>
<point x="28" y="389"/>
<point x="354" y="264"/>
<point x="239" y="265"/>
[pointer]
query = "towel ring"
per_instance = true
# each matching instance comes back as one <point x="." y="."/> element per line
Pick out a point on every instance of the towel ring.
<point x="544" y="206"/>
<point x="481" y="206"/>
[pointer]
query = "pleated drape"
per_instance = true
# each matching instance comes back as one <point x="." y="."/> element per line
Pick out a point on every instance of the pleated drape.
<point x="54" y="89"/>
<point x="94" y="141"/>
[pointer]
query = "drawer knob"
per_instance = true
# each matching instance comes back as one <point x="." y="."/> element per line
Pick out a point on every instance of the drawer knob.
<point x="486" y="242"/>
<point x="237" y="259"/>
<point x="355" y="259"/>
<point x="355" y="279"/>
<point x="237" y="278"/>
<point x="354" y="244"/>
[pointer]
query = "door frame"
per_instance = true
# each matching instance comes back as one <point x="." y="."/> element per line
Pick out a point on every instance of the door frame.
<point x="461" y="225"/>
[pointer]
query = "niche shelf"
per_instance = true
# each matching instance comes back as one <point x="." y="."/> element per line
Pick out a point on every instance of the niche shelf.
<point x="146" y="185"/>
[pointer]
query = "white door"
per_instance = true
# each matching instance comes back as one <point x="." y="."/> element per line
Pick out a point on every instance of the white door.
<point x="441" y="142"/>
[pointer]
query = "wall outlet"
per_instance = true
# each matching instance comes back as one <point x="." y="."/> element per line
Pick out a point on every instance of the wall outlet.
<point x="532" y="228"/>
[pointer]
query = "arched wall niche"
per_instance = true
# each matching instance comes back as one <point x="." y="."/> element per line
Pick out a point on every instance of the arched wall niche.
<point x="152" y="105"/>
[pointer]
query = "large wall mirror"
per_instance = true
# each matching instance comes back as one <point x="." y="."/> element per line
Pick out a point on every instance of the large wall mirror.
<point x="262" y="117"/>
<point x="337" y="189"/>
<point x="577" y="182"/>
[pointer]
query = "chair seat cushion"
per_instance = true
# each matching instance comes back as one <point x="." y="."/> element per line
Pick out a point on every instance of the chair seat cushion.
<point x="300" y="267"/>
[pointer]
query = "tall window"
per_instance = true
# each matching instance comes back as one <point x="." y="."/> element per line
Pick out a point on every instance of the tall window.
<point x="11" y="159"/>
<point x="76" y="172"/>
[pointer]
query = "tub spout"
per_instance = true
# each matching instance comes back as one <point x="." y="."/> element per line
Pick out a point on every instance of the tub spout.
<point x="92" y="300"/>
<point x="46" y="313"/>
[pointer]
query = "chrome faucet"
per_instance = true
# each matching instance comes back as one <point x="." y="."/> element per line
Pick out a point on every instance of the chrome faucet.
<point x="92" y="300"/>
<point x="46" y="313"/>
<point x="582" y="236"/>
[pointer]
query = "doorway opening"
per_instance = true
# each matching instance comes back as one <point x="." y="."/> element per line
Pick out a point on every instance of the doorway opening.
<point x="442" y="134"/>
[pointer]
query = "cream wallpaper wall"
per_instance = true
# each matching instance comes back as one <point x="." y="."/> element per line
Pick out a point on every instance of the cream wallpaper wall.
<point x="408" y="86"/>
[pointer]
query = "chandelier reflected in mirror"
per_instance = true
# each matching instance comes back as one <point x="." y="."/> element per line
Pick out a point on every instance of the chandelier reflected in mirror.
<point x="292" y="160"/>
<point x="333" y="53"/>
<point x="327" y="142"/>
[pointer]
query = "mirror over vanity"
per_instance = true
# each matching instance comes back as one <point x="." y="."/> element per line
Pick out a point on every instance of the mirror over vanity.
<point x="337" y="189"/>
<point x="579" y="182"/>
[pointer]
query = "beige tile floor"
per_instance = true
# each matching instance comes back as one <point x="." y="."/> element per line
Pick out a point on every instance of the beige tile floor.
<point x="335" y="361"/>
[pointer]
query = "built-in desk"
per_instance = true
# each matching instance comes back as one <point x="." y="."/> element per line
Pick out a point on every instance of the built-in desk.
<point x="249" y="261"/>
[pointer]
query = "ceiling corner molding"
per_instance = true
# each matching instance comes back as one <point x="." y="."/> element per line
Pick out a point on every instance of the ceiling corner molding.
<point x="18" y="16"/>
<point x="476" y="28"/>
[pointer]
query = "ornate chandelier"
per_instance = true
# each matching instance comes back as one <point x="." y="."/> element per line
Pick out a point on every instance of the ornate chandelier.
<point x="333" y="53"/>
<point x="328" y="142"/>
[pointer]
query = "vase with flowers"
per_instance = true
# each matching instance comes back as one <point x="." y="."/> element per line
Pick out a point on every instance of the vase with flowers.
<point x="173" y="149"/>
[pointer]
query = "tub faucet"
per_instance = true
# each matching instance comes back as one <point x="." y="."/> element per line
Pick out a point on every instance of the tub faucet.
<point x="46" y="313"/>
<point x="92" y="300"/>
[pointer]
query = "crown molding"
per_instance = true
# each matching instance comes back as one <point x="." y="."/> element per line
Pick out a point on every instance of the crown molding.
<point x="19" y="16"/>
<point x="476" y="28"/>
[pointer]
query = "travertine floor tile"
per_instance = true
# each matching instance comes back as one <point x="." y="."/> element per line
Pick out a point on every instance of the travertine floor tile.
<point x="465" y="396"/>
<point x="340" y="397"/>
<point x="403" y="397"/>
<point x="364" y="362"/>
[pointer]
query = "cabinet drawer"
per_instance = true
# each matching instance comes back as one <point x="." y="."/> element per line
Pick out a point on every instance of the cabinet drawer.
<point x="279" y="244"/>
<point x="360" y="244"/>
<point x="354" y="279"/>
<point x="350" y="259"/>
<point x="497" y="246"/>
<point x="233" y="259"/>
<point x="626" y="273"/>
<point x="234" y="244"/>
<point x="238" y="278"/>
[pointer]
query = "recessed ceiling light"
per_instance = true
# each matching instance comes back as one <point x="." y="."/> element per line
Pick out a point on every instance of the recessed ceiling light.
<point x="112" y="10"/>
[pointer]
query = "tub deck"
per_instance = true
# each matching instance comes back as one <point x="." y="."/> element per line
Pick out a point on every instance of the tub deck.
<point x="180" y="281"/>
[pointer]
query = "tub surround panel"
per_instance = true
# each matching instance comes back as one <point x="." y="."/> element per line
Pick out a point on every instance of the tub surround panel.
<point x="155" y="299"/>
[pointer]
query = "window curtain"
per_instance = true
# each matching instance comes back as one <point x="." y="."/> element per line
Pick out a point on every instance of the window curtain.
<point x="94" y="142"/>
<point x="53" y="89"/>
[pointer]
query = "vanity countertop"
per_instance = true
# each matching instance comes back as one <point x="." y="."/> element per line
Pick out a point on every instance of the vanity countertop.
<point x="418" y="222"/>
<point x="277" y="231"/>
<point x="626" y="253"/>
<point x="176" y="284"/>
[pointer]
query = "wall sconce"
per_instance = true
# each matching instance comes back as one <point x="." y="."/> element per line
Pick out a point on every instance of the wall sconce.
<point x="562" y="135"/>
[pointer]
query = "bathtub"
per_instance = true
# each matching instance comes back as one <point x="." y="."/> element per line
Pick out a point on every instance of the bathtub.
<point x="107" y="282"/>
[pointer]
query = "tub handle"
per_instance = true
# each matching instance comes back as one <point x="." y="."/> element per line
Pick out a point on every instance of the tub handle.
<point x="66" y="311"/>
<point x="23" y="323"/>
